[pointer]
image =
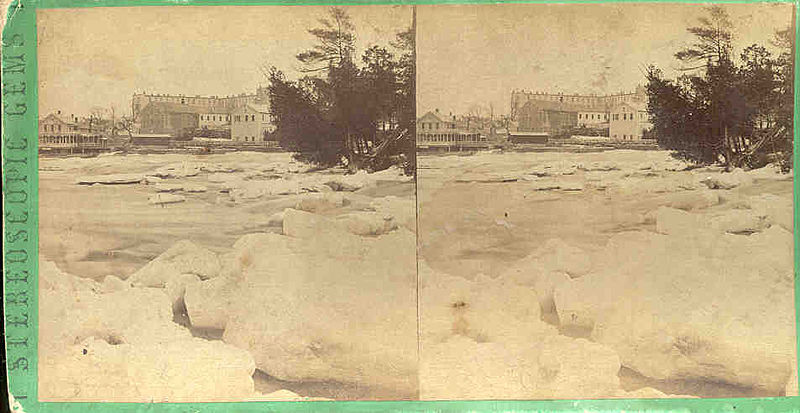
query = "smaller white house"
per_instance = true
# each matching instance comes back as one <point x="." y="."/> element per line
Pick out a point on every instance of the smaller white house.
<point x="251" y="123"/>
<point x="628" y="121"/>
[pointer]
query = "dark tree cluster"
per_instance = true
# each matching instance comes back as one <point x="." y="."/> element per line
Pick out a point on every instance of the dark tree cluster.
<point x="738" y="112"/>
<point x="348" y="110"/>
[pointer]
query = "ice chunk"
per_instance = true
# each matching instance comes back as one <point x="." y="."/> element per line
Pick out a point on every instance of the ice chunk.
<point x="184" y="257"/>
<point x="692" y="200"/>
<point x="547" y="368"/>
<point x="728" y="180"/>
<point x="321" y="202"/>
<point x="163" y="198"/>
<point x="367" y="223"/>
<point x="114" y="179"/>
<point x="208" y="302"/>
<point x="316" y="311"/>
<point x="122" y="346"/>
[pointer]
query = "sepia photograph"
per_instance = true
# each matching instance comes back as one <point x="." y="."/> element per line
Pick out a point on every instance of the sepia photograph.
<point x="226" y="204"/>
<point x="415" y="202"/>
<point x="605" y="201"/>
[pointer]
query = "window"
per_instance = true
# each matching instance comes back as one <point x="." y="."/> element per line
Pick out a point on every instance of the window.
<point x="579" y="116"/>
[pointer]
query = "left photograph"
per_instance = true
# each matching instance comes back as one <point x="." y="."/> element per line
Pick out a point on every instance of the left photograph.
<point x="227" y="204"/>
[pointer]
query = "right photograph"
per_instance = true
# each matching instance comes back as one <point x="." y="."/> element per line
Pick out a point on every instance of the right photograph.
<point x="605" y="201"/>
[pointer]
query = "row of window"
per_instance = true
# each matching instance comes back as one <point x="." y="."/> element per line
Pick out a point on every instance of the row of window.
<point x="628" y="116"/>
<point x="57" y="128"/>
<point x="214" y="117"/>
<point x="593" y="99"/>
<point x="592" y="115"/>
<point x="78" y="140"/>
<point x="435" y="125"/>
<point x="249" y="118"/>
<point x="450" y="137"/>
<point x="626" y="137"/>
<point x="251" y="139"/>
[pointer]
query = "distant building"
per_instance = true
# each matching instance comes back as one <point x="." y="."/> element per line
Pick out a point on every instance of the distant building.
<point x="433" y="131"/>
<point x="61" y="132"/>
<point x="175" y="119"/>
<point x="590" y="102"/>
<point x="622" y="116"/>
<point x="214" y="120"/>
<point x="210" y="104"/>
<point x="593" y="119"/>
<point x="186" y="116"/>
<point x="548" y="117"/>
<point x="629" y="121"/>
<point x="57" y="124"/>
<point x="252" y="123"/>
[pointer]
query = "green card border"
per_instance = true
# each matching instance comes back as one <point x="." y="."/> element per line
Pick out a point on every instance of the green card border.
<point x="20" y="241"/>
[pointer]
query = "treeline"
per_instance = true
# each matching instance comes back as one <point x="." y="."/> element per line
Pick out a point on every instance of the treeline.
<point x="344" y="110"/>
<point x="737" y="112"/>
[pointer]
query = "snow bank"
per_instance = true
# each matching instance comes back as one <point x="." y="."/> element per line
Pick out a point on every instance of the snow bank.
<point x="122" y="346"/>
<point x="403" y="210"/>
<point x="694" y="304"/>
<point x="693" y="200"/>
<point x="367" y="223"/>
<point x="321" y="202"/>
<point x="331" y="307"/>
<point x="728" y="180"/>
<point x="551" y="367"/>
<point x="484" y="339"/>
<point x="777" y="210"/>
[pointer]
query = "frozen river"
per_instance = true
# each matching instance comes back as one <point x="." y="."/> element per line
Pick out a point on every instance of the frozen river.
<point x="523" y="275"/>
<point x="238" y="276"/>
<point x="98" y="230"/>
<point x="640" y="269"/>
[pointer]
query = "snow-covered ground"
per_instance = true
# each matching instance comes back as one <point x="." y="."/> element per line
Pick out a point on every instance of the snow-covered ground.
<point x="612" y="274"/>
<point x="246" y="276"/>
<point x="240" y="276"/>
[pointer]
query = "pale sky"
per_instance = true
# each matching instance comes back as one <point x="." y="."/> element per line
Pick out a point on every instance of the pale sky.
<point x="97" y="57"/>
<point x="477" y="54"/>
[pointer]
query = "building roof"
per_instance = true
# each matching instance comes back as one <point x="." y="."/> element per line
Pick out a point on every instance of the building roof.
<point x="430" y="117"/>
<point x="253" y="107"/>
<point x="635" y="106"/>
<point x="173" y="107"/>
<point x="60" y="118"/>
